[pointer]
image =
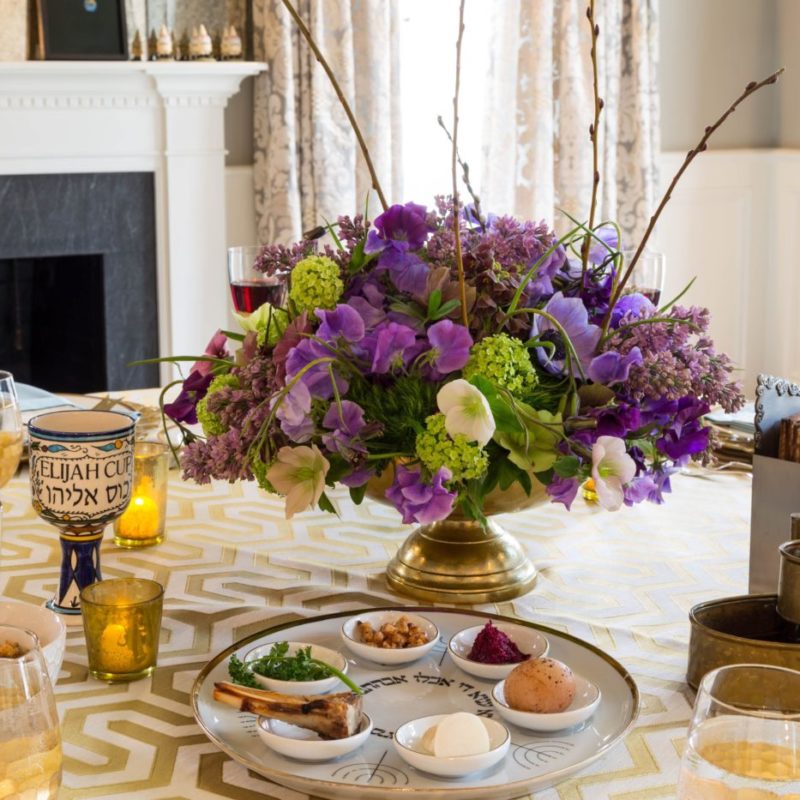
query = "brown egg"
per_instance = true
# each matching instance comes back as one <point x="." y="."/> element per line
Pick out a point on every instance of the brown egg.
<point x="543" y="685"/>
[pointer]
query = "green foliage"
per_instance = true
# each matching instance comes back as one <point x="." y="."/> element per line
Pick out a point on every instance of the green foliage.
<point x="241" y="674"/>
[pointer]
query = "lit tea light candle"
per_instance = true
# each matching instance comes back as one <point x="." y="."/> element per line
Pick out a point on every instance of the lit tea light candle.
<point x="115" y="654"/>
<point x="141" y="519"/>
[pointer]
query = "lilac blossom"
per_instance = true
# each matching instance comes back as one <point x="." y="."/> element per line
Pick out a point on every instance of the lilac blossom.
<point x="572" y="316"/>
<point x="419" y="501"/>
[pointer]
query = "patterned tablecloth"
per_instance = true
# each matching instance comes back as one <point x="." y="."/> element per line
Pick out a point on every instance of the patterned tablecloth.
<point x="231" y="564"/>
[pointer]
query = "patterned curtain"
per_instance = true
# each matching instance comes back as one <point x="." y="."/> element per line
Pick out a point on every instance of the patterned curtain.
<point x="537" y="156"/>
<point x="308" y="167"/>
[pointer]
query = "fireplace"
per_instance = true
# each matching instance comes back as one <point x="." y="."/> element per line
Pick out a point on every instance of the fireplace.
<point x="78" y="289"/>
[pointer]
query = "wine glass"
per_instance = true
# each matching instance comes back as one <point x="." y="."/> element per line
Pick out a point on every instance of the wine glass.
<point x="648" y="274"/>
<point x="81" y="466"/>
<point x="744" y="737"/>
<point x="10" y="428"/>
<point x="251" y="288"/>
<point x="30" y="738"/>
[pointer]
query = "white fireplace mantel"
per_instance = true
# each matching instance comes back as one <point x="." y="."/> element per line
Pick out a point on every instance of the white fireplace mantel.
<point x="159" y="117"/>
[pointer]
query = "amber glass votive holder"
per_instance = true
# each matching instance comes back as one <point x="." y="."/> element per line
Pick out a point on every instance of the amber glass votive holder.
<point x="143" y="523"/>
<point x="122" y="625"/>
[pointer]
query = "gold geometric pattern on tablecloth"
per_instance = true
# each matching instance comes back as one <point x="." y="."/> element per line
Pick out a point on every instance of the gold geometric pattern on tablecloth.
<point x="231" y="565"/>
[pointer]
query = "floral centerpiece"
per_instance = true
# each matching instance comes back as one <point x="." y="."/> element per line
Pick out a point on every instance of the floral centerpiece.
<point x="458" y="354"/>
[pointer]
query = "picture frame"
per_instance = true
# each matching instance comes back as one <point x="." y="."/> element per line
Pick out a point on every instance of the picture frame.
<point x="80" y="30"/>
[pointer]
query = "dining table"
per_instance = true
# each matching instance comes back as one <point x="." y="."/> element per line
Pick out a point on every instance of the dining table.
<point x="232" y="565"/>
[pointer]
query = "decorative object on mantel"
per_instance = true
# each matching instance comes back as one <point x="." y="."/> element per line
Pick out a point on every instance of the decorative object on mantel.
<point x="79" y="30"/>
<point x="231" y="47"/>
<point x="14" y="44"/>
<point x="137" y="48"/>
<point x="776" y="482"/>
<point x="165" y="47"/>
<point x="152" y="45"/>
<point x="200" y="46"/>
<point x="447" y="360"/>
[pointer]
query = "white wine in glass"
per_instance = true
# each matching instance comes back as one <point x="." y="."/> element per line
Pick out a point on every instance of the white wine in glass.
<point x="10" y="428"/>
<point x="744" y="737"/>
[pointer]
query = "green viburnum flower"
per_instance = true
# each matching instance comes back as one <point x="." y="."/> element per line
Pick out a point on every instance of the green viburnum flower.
<point x="504" y="361"/>
<point x="436" y="448"/>
<point x="315" y="283"/>
<point x="534" y="450"/>
<point x="212" y="424"/>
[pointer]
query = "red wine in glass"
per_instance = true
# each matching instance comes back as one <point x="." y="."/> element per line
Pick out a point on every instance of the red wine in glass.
<point x="653" y="295"/>
<point x="250" y="295"/>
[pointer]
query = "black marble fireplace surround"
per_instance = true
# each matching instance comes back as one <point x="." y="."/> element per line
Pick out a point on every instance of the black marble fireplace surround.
<point x="78" y="296"/>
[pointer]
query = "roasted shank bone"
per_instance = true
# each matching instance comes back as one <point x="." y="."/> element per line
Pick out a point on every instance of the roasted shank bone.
<point x="332" y="716"/>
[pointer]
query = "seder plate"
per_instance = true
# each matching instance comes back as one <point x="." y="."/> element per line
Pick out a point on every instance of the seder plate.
<point x="431" y="685"/>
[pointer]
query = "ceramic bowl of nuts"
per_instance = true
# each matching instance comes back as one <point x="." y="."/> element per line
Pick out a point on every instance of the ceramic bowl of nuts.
<point x="389" y="637"/>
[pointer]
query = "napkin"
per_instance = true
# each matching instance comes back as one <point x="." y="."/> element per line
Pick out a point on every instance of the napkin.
<point x="742" y="421"/>
<point x="32" y="400"/>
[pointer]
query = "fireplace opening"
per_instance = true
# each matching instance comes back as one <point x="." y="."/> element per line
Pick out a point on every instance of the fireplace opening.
<point x="78" y="282"/>
<point x="52" y="322"/>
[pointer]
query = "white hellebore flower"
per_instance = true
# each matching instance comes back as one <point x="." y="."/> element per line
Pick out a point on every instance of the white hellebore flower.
<point x="299" y="473"/>
<point x="466" y="411"/>
<point x="612" y="468"/>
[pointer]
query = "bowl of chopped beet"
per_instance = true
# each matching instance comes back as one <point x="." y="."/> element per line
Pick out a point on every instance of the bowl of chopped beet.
<point x="491" y="651"/>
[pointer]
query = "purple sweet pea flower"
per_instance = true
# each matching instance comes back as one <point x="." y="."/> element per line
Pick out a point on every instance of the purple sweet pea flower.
<point x="408" y="272"/>
<point x="450" y="344"/>
<point x="184" y="407"/>
<point x="636" y="304"/>
<point x="368" y="298"/>
<point x="639" y="489"/>
<point x="571" y="314"/>
<point x="391" y="347"/>
<point x="418" y="501"/>
<point x="610" y="367"/>
<point x="317" y="379"/>
<point x="402" y="228"/>
<point x="294" y="413"/>
<point x="358" y="477"/>
<point x="215" y="348"/>
<point x="343" y="322"/>
<point x="541" y="284"/>
<point x="563" y="490"/>
<point x="346" y="422"/>
<point x="598" y="252"/>
<point x="686" y="436"/>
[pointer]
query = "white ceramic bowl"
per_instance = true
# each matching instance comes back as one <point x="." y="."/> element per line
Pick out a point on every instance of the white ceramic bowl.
<point x="301" y="687"/>
<point x="46" y="624"/>
<point x="408" y="743"/>
<point x="305" y="745"/>
<point x="528" y="640"/>
<point x="584" y="704"/>
<point x="382" y="655"/>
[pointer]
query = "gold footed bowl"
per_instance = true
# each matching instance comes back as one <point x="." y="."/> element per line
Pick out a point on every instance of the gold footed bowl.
<point x="459" y="560"/>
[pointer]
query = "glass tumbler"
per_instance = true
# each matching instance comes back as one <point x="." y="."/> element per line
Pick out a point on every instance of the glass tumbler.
<point x="144" y="520"/>
<point x="250" y="288"/>
<point x="10" y="428"/>
<point x="122" y="626"/>
<point x="744" y="737"/>
<point x="30" y="737"/>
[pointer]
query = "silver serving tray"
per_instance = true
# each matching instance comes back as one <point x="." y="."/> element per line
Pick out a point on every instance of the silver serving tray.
<point x="431" y="685"/>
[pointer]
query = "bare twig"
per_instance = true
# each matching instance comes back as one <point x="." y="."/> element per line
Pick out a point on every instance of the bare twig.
<point x="462" y="285"/>
<point x="702" y="145"/>
<point x="465" y="176"/>
<point x="594" y="131"/>
<point x="342" y="99"/>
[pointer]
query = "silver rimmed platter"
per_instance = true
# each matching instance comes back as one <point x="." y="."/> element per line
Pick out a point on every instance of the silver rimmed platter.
<point x="432" y="685"/>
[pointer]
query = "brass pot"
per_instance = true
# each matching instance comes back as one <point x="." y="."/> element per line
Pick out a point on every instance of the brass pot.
<point x="459" y="560"/>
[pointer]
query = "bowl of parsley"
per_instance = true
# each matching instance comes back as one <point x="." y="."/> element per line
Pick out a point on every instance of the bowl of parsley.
<point x="292" y="668"/>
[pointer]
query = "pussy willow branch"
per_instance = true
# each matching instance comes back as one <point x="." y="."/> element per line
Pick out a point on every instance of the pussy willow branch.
<point x="462" y="284"/>
<point x="702" y="145"/>
<point x="594" y="131"/>
<point x="465" y="176"/>
<point x="342" y="99"/>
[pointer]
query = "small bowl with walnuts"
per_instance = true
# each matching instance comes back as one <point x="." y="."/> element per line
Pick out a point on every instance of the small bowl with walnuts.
<point x="389" y="637"/>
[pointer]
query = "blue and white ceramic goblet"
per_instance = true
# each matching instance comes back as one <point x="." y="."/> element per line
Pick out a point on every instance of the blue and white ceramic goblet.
<point x="81" y="466"/>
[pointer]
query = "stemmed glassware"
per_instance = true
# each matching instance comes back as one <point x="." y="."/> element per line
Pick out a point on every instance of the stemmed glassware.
<point x="10" y="428"/>
<point x="251" y="288"/>
<point x="30" y="738"/>
<point x="744" y="737"/>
